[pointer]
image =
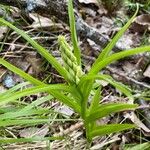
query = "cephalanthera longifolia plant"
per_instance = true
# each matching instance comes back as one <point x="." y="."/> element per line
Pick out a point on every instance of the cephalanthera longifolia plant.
<point x="78" y="84"/>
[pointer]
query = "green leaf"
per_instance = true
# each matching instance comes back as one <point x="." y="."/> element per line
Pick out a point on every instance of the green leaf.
<point x="13" y="89"/>
<point x="33" y="90"/>
<point x="94" y="105"/>
<point x="143" y="146"/>
<point x="114" y="57"/>
<point x="27" y="110"/>
<point x="20" y="72"/>
<point x="96" y="99"/>
<point x="85" y="90"/>
<point x="27" y="122"/>
<point x="77" y="51"/>
<point x="106" y="109"/>
<point x="123" y="88"/>
<point x="14" y="115"/>
<point x="69" y="102"/>
<point x="108" y="129"/>
<point x="105" y="52"/>
<point x="24" y="140"/>
<point x="45" y="88"/>
<point x="40" y="49"/>
<point x="85" y="86"/>
<point x="37" y="102"/>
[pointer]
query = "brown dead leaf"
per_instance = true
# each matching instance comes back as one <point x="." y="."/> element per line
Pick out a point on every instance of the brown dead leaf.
<point x="34" y="132"/>
<point x="132" y="116"/>
<point x="43" y="22"/>
<point x="147" y="72"/>
<point x="143" y="20"/>
<point x="142" y="23"/>
<point x="35" y="64"/>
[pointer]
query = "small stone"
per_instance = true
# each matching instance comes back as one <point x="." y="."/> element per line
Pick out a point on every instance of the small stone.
<point x="8" y="81"/>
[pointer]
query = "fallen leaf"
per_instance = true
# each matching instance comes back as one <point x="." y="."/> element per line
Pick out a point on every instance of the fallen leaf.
<point x="143" y="19"/>
<point x="34" y="132"/>
<point x="132" y="116"/>
<point x="147" y="72"/>
<point x="43" y="22"/>
<point x="141" y="23"/>
<point x="127" y="41"/>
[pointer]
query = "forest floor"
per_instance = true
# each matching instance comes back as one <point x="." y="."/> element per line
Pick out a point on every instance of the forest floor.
<point x="132" y="71"/>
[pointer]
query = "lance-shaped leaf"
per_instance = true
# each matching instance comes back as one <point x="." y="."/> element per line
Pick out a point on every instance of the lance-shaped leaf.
<point x="108" y="129"/>
<point x="77" y="51"/>
<point x="34" y="81"/>
<point x="40" y="49"/>
<point x="54" y="90"/>
<point x="24" y="140"/>
<point x="121" y="87"/>
<point x="114" y="57"/>
<point x="105" y="52"/>
<point x="28" y="110"/>
<point x="106" y="109"/>
<point x="142" y="146"/>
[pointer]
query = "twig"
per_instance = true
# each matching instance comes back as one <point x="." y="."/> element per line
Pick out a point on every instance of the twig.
<point x="70" y="129"/>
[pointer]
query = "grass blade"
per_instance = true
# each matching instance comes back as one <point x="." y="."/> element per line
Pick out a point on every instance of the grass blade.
<point x="33" y="90"/>
<point x="108" y="129"/>
<point x="27" y="122"/>
<point x="110" y="46"/>
<point x="114" y="57"/>
<point x="143" y="146"/>
<point x="37" y="102"/>
<point x="66" y="100"/>
<point x="29" y="113"/>
<point x="49" y="88"/>
<point x="121" y="87"/>
<point x="24" y="140"/>
<point x="26" y="110"/>
<point x="20" y="72"/>
<point x="56" y="94"/>
<point x="77" y="51"/>
<point x="13" y="89"/>
<point x="40" y="49"/>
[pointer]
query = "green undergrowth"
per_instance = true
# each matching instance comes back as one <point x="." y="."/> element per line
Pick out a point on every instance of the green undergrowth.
<point x="144" y="5"/>
<point x="76" y="91"/>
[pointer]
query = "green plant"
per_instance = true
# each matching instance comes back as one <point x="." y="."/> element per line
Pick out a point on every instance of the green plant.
<point x="144" y="5"/>
<point x="140" y="1"/>
<point x="76" y="92"/>
<point x="143" y="146"/>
